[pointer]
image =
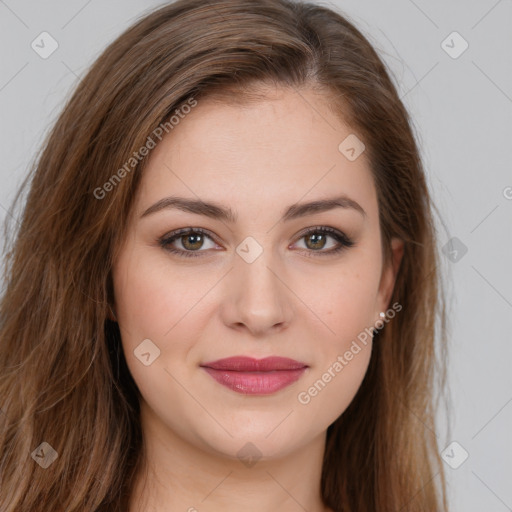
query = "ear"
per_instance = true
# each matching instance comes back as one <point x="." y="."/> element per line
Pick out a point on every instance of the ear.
<point x="389" y="273"/>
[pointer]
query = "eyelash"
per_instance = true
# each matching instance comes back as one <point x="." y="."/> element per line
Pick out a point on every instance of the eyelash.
<point x="340" y="237"/>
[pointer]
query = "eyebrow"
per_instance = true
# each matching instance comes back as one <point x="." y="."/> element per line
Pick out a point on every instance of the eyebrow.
<point x="216" y="211"/>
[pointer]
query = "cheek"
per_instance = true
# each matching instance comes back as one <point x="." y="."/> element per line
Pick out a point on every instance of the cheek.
<point x="343" y="298"/>
<point x="163" y="304"/>
<point x="151" y="305"/>
<point x="331" y="388"/>
<point x="152" y="297"/>
<point x="345" y="301"/>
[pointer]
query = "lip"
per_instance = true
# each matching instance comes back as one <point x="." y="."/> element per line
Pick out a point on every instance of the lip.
<point x="250" y="376"/>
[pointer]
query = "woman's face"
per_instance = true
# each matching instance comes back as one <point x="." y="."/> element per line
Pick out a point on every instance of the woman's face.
<point x="253" y="283"/>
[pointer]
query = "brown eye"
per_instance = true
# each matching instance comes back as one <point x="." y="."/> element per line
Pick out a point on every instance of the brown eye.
<point x="191" y="241"/>
<point x="316" y="240"/>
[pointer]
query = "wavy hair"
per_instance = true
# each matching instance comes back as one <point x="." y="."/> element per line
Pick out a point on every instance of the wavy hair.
<point x="63" y="375"/>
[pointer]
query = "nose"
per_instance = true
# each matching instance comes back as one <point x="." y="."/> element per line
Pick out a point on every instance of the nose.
<point x="256" y="296"/>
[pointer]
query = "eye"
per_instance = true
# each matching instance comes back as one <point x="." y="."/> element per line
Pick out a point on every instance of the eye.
<point x="315" y="240"/>
<point x="191" y="239"/>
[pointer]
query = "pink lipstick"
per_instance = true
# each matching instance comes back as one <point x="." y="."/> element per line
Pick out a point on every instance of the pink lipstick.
<point x="255" y="376"/>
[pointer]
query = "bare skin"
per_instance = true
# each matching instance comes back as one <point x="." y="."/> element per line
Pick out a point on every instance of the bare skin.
<point x="294" y="300"/>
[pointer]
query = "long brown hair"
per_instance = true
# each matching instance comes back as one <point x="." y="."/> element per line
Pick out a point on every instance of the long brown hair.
<point x="63" y="376"/>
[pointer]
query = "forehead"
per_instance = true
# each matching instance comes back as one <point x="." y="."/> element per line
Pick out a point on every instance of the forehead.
<point x="284" y="147"/>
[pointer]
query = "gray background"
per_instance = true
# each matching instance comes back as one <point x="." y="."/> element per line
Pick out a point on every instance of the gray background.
<point x="462" y="109"/>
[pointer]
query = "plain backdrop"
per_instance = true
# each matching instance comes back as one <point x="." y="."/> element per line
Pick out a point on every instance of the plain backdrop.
<point x="452" y="62"/>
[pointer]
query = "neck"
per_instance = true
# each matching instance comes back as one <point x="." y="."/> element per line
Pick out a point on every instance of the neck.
<point x="179" y="475"/>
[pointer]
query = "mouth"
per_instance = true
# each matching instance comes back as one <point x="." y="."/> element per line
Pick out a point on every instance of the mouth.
<point x="250" y="376"/>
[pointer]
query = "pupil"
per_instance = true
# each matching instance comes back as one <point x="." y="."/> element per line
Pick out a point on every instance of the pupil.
<point x="317" y="238"/>
<point x="189" y="240"/>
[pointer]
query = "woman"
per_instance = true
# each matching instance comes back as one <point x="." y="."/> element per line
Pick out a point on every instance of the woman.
<point x="223" y="292"/>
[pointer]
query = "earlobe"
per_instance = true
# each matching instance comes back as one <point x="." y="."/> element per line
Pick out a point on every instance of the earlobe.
<point x="390" y="273"/>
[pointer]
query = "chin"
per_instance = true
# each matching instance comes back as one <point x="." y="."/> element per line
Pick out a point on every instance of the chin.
<point x="264" y="439"/>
